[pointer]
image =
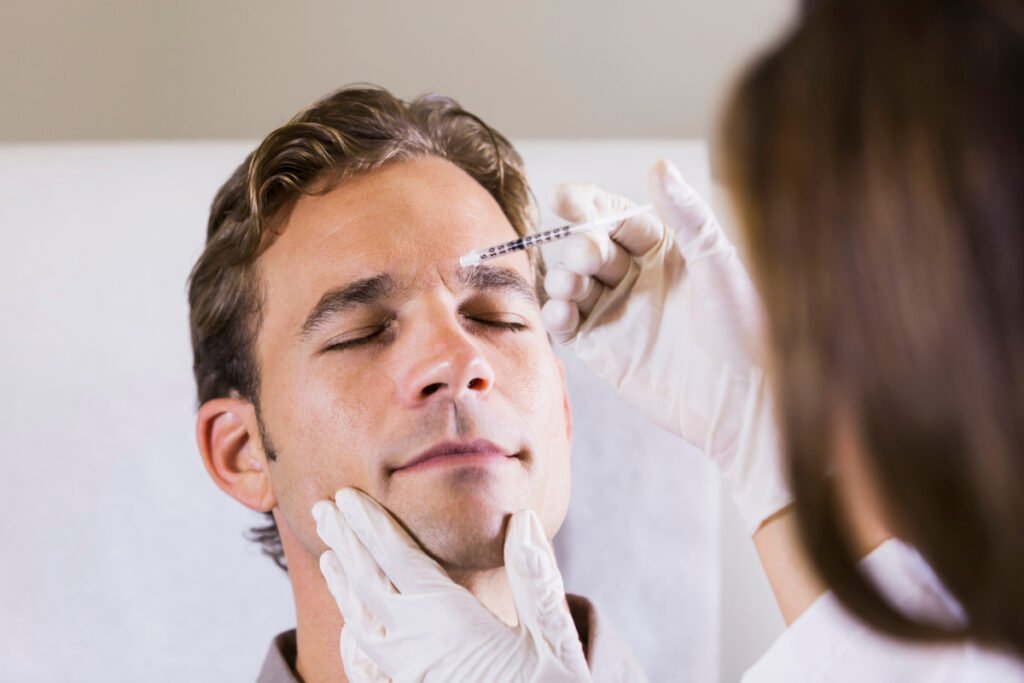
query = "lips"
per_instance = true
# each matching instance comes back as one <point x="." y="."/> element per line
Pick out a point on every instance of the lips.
<point x="455" y="452"/>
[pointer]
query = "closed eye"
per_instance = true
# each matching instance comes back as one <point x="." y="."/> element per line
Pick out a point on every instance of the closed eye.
<point x="374" y="335"/>
<point x="500" y="324"/>
<point x="378" y="335"/>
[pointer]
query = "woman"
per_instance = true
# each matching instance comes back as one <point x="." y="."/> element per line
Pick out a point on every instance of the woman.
<point x="877" y="159"/>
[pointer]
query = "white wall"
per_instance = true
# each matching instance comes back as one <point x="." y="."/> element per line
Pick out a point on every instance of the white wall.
<point x="118" y="548"/>
<point x="112" y="522"/>
<point x="143" y="69"/>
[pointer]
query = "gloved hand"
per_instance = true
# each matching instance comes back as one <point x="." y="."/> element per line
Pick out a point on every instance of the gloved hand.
<point x="405" y="620"/>
<point x="665" y="312"/>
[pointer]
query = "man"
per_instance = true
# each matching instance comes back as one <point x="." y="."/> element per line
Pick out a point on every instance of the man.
<point x="338" y="343"/>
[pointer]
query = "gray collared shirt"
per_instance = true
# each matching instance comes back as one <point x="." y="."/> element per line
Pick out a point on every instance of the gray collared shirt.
<point x="609" y="658"/>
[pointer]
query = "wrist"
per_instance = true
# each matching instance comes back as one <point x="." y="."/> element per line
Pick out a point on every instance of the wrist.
<point x="753" y="467"/>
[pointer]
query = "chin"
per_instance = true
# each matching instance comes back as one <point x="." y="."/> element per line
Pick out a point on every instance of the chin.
<point x="462" y="529"/>
<point x="466" y="545"/>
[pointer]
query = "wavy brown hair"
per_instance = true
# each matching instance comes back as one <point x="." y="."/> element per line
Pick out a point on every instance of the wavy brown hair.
<point x="349" y="133"/>
<point x="877" y="156"/>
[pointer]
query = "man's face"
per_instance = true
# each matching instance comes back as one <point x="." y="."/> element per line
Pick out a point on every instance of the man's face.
<point x="386" y="366"/>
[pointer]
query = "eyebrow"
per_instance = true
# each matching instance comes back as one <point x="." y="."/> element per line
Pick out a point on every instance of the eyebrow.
<point x="366" y="291"/>
<point x="373" y="290"/>
<point x="487" y="277"/>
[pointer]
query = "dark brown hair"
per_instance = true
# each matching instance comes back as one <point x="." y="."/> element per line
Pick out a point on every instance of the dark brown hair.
<point x="351" y="132"/>
<point x="877" y="156"/>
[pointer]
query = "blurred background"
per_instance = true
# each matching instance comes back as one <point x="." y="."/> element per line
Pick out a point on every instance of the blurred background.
<point x="137" y="70"/>
<point x="141" y="69"/>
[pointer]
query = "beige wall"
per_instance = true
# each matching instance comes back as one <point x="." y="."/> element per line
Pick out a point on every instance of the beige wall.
<point x="117" y="69"/>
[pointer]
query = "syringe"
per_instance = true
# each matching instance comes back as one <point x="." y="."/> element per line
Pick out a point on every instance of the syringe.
<point x="480" y="255"/>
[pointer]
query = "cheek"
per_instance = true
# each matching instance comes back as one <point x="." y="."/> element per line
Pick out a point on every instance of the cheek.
<point x="534" y="386"/>
<point x="529" y="376"/>
<point x="330" y="413"/>
<point x="322" y="429"/>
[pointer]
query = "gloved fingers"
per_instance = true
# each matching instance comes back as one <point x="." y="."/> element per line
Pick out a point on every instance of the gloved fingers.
<point x="568" y="285"/>
<point x="639" y="234"/>
<point x="579" y="202"/>
<point x="586" y="304"/>
<point x="686" y="213"/>
<point x="359" y="668"/>
<point x="595" y="253"/>
<point x="537" y="588"/>
<point x="561" y="319"/>
<point x="337" y="584"/>
<point x="391" y="547"/>
<point x="368" y="588"/>
<point x="357" y="616"/>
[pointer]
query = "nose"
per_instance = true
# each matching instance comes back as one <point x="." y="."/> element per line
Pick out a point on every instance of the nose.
<point x="444" y="364"/>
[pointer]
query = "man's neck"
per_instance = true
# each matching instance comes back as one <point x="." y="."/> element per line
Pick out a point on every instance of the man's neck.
<point x="319" y="622"/>
<point x="492" y="589"/>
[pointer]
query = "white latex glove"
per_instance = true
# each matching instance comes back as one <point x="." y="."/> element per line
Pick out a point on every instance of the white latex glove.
<point x="665" y="312"/>
<point x="406" y="620"/>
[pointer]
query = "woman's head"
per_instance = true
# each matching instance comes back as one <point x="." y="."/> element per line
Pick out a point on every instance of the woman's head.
<point x="877" y="156"/>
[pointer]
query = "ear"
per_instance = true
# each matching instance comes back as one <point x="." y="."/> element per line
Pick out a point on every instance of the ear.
<point x="565" y="399"/>
<point x="229" y="441"/>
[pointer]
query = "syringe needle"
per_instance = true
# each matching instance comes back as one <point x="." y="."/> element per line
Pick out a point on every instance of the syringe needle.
<point x="528" y="241"/>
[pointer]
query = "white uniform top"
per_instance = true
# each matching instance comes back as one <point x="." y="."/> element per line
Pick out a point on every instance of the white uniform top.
<point x="826" y="643"/>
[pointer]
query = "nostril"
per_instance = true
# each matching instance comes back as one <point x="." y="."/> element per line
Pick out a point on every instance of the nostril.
<point x="431" y="389"/>
<point x="477" y="383"/>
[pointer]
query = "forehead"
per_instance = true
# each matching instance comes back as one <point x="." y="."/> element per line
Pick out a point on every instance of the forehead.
<point x="410" y="219"/>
